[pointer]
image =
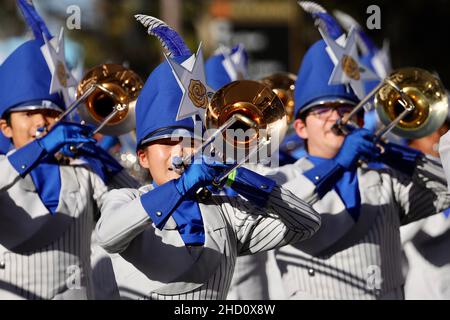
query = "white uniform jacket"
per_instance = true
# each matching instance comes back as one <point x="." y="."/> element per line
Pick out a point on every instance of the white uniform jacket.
<point x="45" y="256"/>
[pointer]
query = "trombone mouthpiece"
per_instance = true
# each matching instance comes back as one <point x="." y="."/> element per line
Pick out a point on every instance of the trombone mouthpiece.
<point x="178" y="165"/>
<point x="177" y="162"/>
<point x="41" y="131"/>
<point x="342" y="129"/>
<point x="337" y="129"/>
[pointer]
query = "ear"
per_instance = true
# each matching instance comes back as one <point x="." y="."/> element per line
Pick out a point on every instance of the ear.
<point x="6" y="129"/>
<point x="300" y="129"/>
<point x="143" y="158"/>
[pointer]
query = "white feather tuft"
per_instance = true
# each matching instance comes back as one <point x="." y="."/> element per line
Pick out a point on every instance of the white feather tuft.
<point x="311" y="7"/>
<point x="346" y="21"/>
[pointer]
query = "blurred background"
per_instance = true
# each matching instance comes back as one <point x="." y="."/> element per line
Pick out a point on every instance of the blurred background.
<point x="276" y="33"/>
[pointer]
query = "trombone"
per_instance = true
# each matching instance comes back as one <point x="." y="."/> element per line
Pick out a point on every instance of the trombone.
<point x="410" y="102"/>
<point x="109" y="93"/>
<point x="283" y="84"/>
<point x="242" y="104"/>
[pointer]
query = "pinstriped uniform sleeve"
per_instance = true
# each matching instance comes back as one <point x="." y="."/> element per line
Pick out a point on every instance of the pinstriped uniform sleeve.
<point x="127" y="212"/>
<point x="423" y="194"/>
<point x="123" y="218"/>
<point x="120" y="180"/>
<point x="285" y="219"/>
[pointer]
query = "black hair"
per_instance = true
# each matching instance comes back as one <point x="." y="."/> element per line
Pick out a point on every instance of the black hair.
<point x="302" y="115"/>
<point x="7" y="118"/>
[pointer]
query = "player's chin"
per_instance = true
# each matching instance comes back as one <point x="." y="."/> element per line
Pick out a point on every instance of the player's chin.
<point x="334" y="141"/>
<point x="331" y="135"/>
<point x="172" y="174"/>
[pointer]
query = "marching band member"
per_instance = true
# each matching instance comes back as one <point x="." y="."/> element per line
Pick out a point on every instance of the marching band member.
<point x="174" y="244"/>
<point x="356" y="253"/>
<point x="425" y="242"/>
<point x="47" y="207"/>
<point x="426" y="262"/>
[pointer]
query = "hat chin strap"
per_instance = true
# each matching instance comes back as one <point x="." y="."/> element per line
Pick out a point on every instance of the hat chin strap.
<point x="325" y="101"/>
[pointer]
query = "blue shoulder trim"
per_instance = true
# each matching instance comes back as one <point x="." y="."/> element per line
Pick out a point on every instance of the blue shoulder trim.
<point x="161" y="202"/>
<point x="25" y="159"/>
<point x="252" y="186"/>
<point x="324" y="176"/>
<point x="401" y="158"/>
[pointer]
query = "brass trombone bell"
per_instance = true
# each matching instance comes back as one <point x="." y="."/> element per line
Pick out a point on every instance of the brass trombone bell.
<point x="241" y="104"/>
<point x="110" y="93"/>
<point x="283" y="84"/>
<point x="410" y="102"/>
<point x="254" y="104"/>
<point x="423" y="91"/>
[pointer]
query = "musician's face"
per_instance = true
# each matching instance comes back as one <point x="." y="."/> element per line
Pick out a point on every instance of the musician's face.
<point x="157" y="157"/>
<point x="316" y="128"/>
<point x="22" y="125"/>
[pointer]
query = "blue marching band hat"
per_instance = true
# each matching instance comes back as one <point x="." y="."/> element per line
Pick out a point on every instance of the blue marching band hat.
<point x="25" y="75"/>
<point x="158" y="101"/>
<point x="331" y="69"/>
<point x="26" y="79"/>
<point x="312" y="87"/>
<point x="226" y="65"/>
<point x="175" y="96"/>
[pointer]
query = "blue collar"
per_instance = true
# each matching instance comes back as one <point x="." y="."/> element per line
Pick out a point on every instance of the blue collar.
<point x="47" y="180"/>
<point x="346" y="187"/>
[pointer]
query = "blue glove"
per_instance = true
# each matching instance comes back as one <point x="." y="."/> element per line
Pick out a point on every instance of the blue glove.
<point x="64" y="134"/>
<point x="199" y="175"/>
<point x="251" y="185"/>
<point x="359" y="143"/>
<point x="401" y="158"/>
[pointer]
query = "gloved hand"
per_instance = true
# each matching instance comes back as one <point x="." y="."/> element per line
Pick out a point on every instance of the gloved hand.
<point x="402" y="158"/>
<point x="359" y="143"/>
<point x="199" y="175"/>
<point x="63" y="134"/>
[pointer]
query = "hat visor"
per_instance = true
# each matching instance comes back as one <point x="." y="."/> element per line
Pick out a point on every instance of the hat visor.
<point x="169" y="133"/>
<point x="45" y="105"/>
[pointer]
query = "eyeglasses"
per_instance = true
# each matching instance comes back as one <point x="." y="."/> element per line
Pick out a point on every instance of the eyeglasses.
<point x="325" y="111"/>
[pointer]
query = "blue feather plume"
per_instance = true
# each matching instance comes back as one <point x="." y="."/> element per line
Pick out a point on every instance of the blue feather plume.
<point x="34" y="20"/>
<point x="170" y="39"/>
<point x="322" y="18"/>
